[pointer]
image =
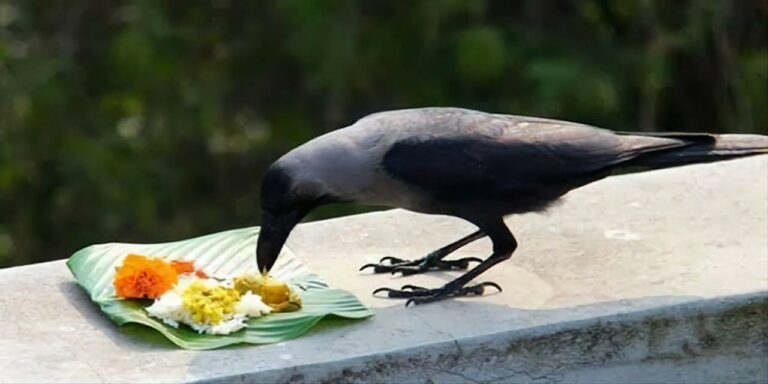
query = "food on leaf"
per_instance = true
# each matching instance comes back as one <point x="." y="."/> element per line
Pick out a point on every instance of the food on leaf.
<point x="207" y="306"/>
<point x="184" y="295"/>
<point x="187" y="267"/>
<point x="278" y="295"/>
<point x="209" y="303"/>
<point x="141" y="277"/>
<point x="274" y="292"/>
<point x="183" y="266"/>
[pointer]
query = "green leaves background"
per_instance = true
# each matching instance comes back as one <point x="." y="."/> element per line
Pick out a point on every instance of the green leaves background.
<point x="146" y="120"/>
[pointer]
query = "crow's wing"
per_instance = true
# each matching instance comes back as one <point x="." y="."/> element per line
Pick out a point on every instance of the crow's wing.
<point x="508" y="154"/>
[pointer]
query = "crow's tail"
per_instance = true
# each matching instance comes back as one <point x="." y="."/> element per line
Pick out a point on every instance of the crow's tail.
<point x="664" y="150"/>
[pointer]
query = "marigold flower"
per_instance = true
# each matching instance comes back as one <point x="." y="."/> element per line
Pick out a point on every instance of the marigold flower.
<point x="201" y="274"/>
<point x="183" y="267"/>
<point x="142" y="277"/>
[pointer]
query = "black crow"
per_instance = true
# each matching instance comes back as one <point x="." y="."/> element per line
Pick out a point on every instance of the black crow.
<point x="473" y="165"/>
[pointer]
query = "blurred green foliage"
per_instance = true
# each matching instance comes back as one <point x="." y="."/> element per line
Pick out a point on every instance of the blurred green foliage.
<point x="154" y="120"/>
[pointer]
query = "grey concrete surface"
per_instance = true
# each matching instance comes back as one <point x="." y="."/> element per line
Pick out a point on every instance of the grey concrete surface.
<point x="654" y="277"/>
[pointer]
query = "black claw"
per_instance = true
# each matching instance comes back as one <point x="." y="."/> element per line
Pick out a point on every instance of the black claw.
<point x="396" y="265"/>
<point x="367" y="266"/>
<point x="413" y="291"/>
<point x="378" y="268"/>
<point x="476" y="290"/>
<point x="417" y="295"/>
<point x="491" y="284"/>
<point x="392" y="259"/>
<point x="377" y="290"/>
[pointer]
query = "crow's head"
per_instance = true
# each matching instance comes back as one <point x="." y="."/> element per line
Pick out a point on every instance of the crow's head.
<point x="287" y="195"/>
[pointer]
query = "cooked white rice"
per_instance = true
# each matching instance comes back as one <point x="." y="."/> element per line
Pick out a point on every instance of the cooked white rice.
<point x="170" y="308"/>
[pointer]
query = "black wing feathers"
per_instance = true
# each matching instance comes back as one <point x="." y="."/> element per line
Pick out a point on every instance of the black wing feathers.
<point x="477" y="167"/>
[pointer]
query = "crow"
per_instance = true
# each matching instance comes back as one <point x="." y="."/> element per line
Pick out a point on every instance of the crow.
<point x="473" y="165"/>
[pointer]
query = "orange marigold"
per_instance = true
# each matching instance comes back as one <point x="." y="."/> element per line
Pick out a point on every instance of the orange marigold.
<point x="142" y="277"/>
<point x="182" y="267"/>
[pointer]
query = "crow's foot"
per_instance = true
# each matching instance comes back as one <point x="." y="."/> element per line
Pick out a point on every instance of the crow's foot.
<point x="412" y="267"/>
<point x="420" y="295"/>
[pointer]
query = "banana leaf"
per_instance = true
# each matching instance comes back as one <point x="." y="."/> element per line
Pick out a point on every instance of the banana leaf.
<point x="221" y="254"/>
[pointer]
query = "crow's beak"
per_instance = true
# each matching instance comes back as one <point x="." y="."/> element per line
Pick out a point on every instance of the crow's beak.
<point x="275" y="229"/>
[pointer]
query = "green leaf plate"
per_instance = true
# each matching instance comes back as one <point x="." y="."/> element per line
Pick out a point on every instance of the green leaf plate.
<point x="220" y="254"/>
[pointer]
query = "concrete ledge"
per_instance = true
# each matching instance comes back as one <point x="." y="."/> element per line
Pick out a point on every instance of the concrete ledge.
<point x="654" y="277"/>
<point x="716" y="340"/>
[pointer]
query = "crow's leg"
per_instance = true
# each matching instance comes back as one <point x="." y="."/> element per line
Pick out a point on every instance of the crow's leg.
<point x="503" y="246"/>
<point x="434" y="260"/>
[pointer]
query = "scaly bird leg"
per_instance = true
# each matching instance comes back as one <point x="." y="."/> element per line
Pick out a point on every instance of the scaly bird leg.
<point x="433" y="261"/>
<point x="504" y="244"/>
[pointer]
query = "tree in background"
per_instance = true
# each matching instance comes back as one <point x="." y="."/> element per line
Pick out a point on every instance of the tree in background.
<point x="151" y="120"/>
